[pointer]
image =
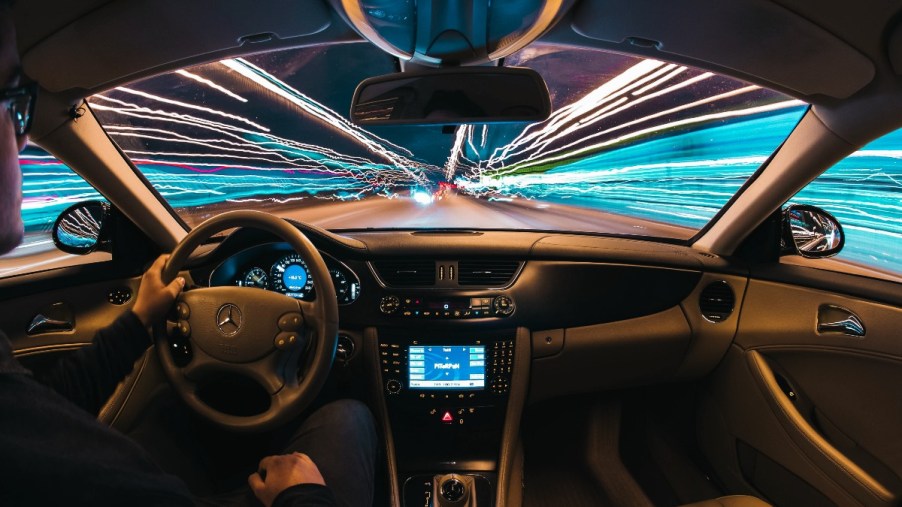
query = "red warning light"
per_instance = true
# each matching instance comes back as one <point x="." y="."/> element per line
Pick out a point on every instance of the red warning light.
<point x="447" y="417"/>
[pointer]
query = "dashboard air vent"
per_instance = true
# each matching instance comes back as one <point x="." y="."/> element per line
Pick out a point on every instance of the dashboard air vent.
<point x="717" y="301"/>
<point x="487" y="273"/>
<point x="407" y="272"/>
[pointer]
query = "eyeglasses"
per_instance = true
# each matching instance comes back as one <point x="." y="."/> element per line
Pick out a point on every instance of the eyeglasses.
<point x="21" y="105"/>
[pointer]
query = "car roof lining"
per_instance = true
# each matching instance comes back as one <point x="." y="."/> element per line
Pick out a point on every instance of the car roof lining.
<point x="801" y="58"/>
<point x="80" y="57"/>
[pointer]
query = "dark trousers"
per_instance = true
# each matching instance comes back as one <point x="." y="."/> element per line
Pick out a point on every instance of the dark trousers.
<point x="340" y="438"/>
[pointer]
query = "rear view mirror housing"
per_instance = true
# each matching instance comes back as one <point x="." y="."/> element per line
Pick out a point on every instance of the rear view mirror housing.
<point x="453" y="96"/>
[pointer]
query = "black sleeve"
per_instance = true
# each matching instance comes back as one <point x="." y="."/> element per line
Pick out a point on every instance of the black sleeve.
<point x="88" y="376"/>
<point x="305" y="495"/>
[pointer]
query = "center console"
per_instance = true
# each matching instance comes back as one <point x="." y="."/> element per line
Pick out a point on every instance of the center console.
<point x="447" y="399"/>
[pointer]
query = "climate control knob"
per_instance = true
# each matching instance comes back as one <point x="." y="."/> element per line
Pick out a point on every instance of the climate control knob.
<point x="389" y="304"/>
<point x="393" y="386"/>
<point x="503" y="306"/>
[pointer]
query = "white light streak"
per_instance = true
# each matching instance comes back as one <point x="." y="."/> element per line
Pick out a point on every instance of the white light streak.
<point x="211" y="84"/>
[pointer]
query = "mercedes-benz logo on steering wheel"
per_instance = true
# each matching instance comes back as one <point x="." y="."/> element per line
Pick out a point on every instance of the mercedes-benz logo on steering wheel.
<point x="228" y="319"/>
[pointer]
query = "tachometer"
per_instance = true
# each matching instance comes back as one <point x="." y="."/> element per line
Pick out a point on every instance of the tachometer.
<point x="256" y="277"/>
<point x="291" y="277"/>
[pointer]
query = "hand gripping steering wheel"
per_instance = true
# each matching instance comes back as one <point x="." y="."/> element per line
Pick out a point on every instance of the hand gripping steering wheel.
<point x="283" y="344"/>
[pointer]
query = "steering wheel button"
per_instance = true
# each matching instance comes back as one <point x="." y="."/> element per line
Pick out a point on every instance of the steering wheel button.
<point x="290" y="321"/>
<point x="285" y="340"/>
<point x="183" y="311"/>
<point x="184" y="328"/>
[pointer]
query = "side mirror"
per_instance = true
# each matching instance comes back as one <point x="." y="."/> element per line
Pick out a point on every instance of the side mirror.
<point x="810" y="232"/>
<point x="83" y="228"/>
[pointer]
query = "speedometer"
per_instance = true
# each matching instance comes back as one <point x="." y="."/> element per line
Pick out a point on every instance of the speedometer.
<point x="291" y="277"/>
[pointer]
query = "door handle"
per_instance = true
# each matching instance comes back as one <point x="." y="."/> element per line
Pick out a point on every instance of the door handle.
<point x="836" y="319"/>
<point x="43" y="324"/>
<point x="54" y="318"/>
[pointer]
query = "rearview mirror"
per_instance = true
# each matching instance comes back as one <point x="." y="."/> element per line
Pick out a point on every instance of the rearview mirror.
<point x="81" y="228"/>
<point x="452" y="96"/>
<point x="810" y="232"/>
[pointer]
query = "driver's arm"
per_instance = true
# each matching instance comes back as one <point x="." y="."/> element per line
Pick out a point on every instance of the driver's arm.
<point x="89" y="376"/>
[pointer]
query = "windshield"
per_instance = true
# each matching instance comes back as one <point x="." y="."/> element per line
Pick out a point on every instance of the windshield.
<point x="633" y="146"/>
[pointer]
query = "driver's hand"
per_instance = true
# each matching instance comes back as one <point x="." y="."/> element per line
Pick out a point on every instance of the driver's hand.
<point x="278" y="473"/>
<point x="155" y="298"/>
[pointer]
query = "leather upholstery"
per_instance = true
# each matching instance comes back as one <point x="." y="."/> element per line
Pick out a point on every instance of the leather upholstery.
<point x="731" y="501"/>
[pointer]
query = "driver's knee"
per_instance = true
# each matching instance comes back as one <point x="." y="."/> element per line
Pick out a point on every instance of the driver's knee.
<point x="341" y="425"/>
<point x="341" y="439"/>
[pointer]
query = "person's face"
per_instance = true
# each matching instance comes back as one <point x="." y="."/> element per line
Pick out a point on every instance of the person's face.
<point x="11" y="228"/>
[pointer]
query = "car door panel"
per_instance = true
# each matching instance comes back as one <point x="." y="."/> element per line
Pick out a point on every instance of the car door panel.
<point x="91" y="305"/>
<point x="820" y="406"/>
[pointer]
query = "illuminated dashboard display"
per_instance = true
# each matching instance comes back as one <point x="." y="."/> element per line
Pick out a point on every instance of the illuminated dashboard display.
<point x="291" y="277"/>
<point x="452" y="367"/>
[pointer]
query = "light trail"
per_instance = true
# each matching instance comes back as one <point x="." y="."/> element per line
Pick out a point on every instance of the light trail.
<point x="670" y="75"/>
<point x="328" y="117"/>
<point x="211" y="84"/>
<point x="195" y="107"/>
<point x="451" y="165"/>
<point x="535" y="151"/>
<point x="324" y="159"/>
<point x="656" y="129"/>
<point x="221" y="128"/>
<point x="568" y="113"/>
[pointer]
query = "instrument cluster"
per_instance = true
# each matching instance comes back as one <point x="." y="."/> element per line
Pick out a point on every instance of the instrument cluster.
<point x="278" y="268"/>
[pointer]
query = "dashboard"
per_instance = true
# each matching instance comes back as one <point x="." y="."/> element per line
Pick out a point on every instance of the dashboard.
<point x="278" y="268"/>
<point x="631" y="312"/>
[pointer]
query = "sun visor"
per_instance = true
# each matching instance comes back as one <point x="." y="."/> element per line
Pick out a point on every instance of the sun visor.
<point x="757" y="38"/>
<point x="129" y="37"/>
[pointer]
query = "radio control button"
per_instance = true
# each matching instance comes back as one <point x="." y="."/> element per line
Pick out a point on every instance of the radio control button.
<point x="393" y="386"/>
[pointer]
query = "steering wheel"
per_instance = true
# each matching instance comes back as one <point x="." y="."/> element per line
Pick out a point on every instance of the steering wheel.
<point x="283" y="344"/>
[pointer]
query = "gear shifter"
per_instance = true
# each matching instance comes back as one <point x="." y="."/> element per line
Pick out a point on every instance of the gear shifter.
<point x="453" y="490"/>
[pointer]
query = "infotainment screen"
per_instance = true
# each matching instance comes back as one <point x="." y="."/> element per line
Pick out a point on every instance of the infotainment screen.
<point x="453" y="367"/>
